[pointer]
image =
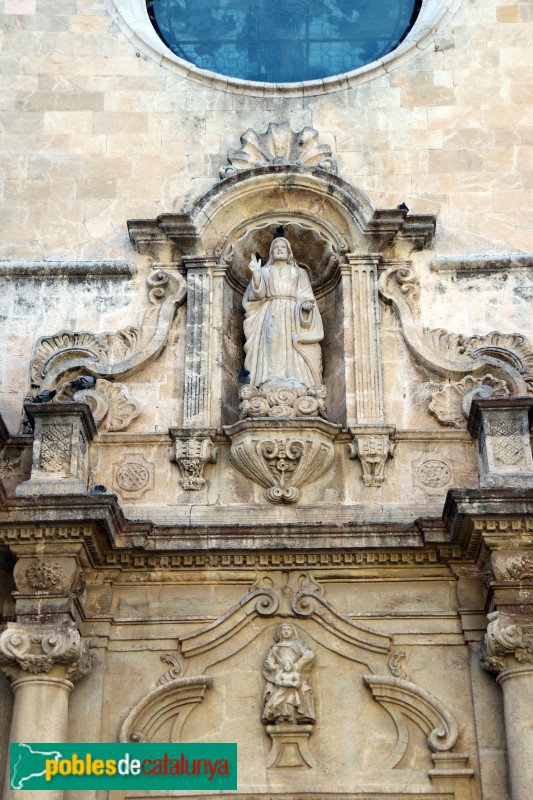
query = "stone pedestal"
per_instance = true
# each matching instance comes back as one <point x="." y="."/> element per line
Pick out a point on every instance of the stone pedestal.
<point x="62" y="432"/>
<point x="501" y="426"/>
<point x="290" y="746"/>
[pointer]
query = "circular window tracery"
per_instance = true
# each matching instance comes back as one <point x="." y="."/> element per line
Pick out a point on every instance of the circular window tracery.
<point x="282" y="41"/>
<point x="133" y="19"/>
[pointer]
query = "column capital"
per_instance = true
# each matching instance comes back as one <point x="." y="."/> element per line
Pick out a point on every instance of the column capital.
<point x="36" y="649"/>
<point x="508" y="645"/>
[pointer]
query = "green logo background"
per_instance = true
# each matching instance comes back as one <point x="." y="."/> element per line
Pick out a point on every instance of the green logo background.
<point x="28" y="766"/>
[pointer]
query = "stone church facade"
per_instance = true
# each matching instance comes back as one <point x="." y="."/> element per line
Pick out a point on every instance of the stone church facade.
<point x="305" y="525"/>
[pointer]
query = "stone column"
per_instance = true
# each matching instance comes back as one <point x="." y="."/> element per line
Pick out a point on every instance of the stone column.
<point x="508" y="651"/>
<point x="42" y="662"/>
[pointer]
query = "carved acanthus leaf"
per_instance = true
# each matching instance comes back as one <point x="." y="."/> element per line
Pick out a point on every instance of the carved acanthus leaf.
<point x="518" y="569"/>
<point x="112" y="405"/>
<point x="279" y="145"/>
<point x="44" y="576"/>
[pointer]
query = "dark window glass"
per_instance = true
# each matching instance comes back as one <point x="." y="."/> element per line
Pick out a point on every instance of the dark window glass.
<point x="282" y="41"/>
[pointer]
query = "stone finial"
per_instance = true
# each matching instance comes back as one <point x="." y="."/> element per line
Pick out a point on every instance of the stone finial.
<point x="62" y="433"/>
<point x="501" y="427"/>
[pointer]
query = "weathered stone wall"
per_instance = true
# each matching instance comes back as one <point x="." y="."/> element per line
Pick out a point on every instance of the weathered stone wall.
<point x="95" y="133"/>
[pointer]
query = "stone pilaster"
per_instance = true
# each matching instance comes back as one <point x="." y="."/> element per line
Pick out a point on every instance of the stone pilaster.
<point x="62" y="433"/>
<point x="196" y="401"/>
<point x="364" y="384"/>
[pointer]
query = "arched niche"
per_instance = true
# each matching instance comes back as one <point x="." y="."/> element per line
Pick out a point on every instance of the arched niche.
<point x="325" y="218"/>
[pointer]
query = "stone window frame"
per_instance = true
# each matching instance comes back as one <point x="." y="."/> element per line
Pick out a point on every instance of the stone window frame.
<point x="132" y="18"/>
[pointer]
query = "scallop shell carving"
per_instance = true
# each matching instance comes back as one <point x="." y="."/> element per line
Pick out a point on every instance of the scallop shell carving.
<point x="451" y="404"/>
<point x="279" y="145"/>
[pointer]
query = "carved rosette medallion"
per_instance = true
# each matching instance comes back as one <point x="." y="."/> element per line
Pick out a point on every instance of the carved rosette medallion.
<point x="133" y="475"/>
<point x="282" y="455"/>
<point x="37" y="648"/>
<point x="44" y="576"/>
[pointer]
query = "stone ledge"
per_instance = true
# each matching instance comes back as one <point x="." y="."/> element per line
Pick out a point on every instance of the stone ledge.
<point x="75" y="270"/>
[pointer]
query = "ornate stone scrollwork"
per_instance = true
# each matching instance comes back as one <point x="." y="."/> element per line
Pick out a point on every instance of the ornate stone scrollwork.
<point x="454" y="356"/>
<point x="405" y="700"/>
<point x="37" y="648"/>
<point x="282" y="455"/>
<point x="108" y="356"/>
<point x="372" y="445"/>
<point x="282" y="403"/>
<point x="279" y="145"/>
<point x="193" y="449"/>
<point x="506" y="644"/>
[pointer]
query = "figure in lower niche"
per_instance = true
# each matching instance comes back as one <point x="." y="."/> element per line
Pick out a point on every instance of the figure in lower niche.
<point x="282" y="326"/>
<point x="288" y="696"/>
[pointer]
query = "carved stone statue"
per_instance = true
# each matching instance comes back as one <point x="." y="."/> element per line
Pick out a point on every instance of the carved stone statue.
<point x="282" y="326"/>
<point x="288" y="697"/>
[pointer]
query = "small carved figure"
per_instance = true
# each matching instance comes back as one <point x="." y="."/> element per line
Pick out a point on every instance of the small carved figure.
<point x="288" y="697"/>
<point x="282" y="326"/>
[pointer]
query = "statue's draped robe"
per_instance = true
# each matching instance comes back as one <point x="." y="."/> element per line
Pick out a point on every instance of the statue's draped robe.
<point x="282" y="339"/>
<point x="288" y="697"/>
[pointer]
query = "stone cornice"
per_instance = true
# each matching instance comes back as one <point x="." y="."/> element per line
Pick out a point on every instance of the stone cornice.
<point x="499" y="518"/>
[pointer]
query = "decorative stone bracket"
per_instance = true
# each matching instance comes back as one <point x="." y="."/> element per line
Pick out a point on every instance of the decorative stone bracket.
<point x="372" y="445"/>
<point x="501" y="427"/>
<point x="193" y="448"/>
<point x="290" y="746"/>
<point x="62" y="432"/>
<point x="282" y="455"/>
<point x="38" y="648"/>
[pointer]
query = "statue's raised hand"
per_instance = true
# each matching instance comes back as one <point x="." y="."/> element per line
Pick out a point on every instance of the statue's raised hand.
<point x="255" y="264"/>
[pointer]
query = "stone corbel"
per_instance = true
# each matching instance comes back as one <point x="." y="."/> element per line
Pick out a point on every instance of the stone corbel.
<point x="282" y="455"/>
<point x="62" y="433"/>
<point x="372" y="446"/>
<point x="501" y="427"/>
<point x="193" y="448"/>
<point x="38" y="648"/>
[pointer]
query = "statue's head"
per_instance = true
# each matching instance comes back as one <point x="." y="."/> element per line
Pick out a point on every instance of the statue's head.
<point x="280" y="250"/>
<point x="285" y="632"/>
